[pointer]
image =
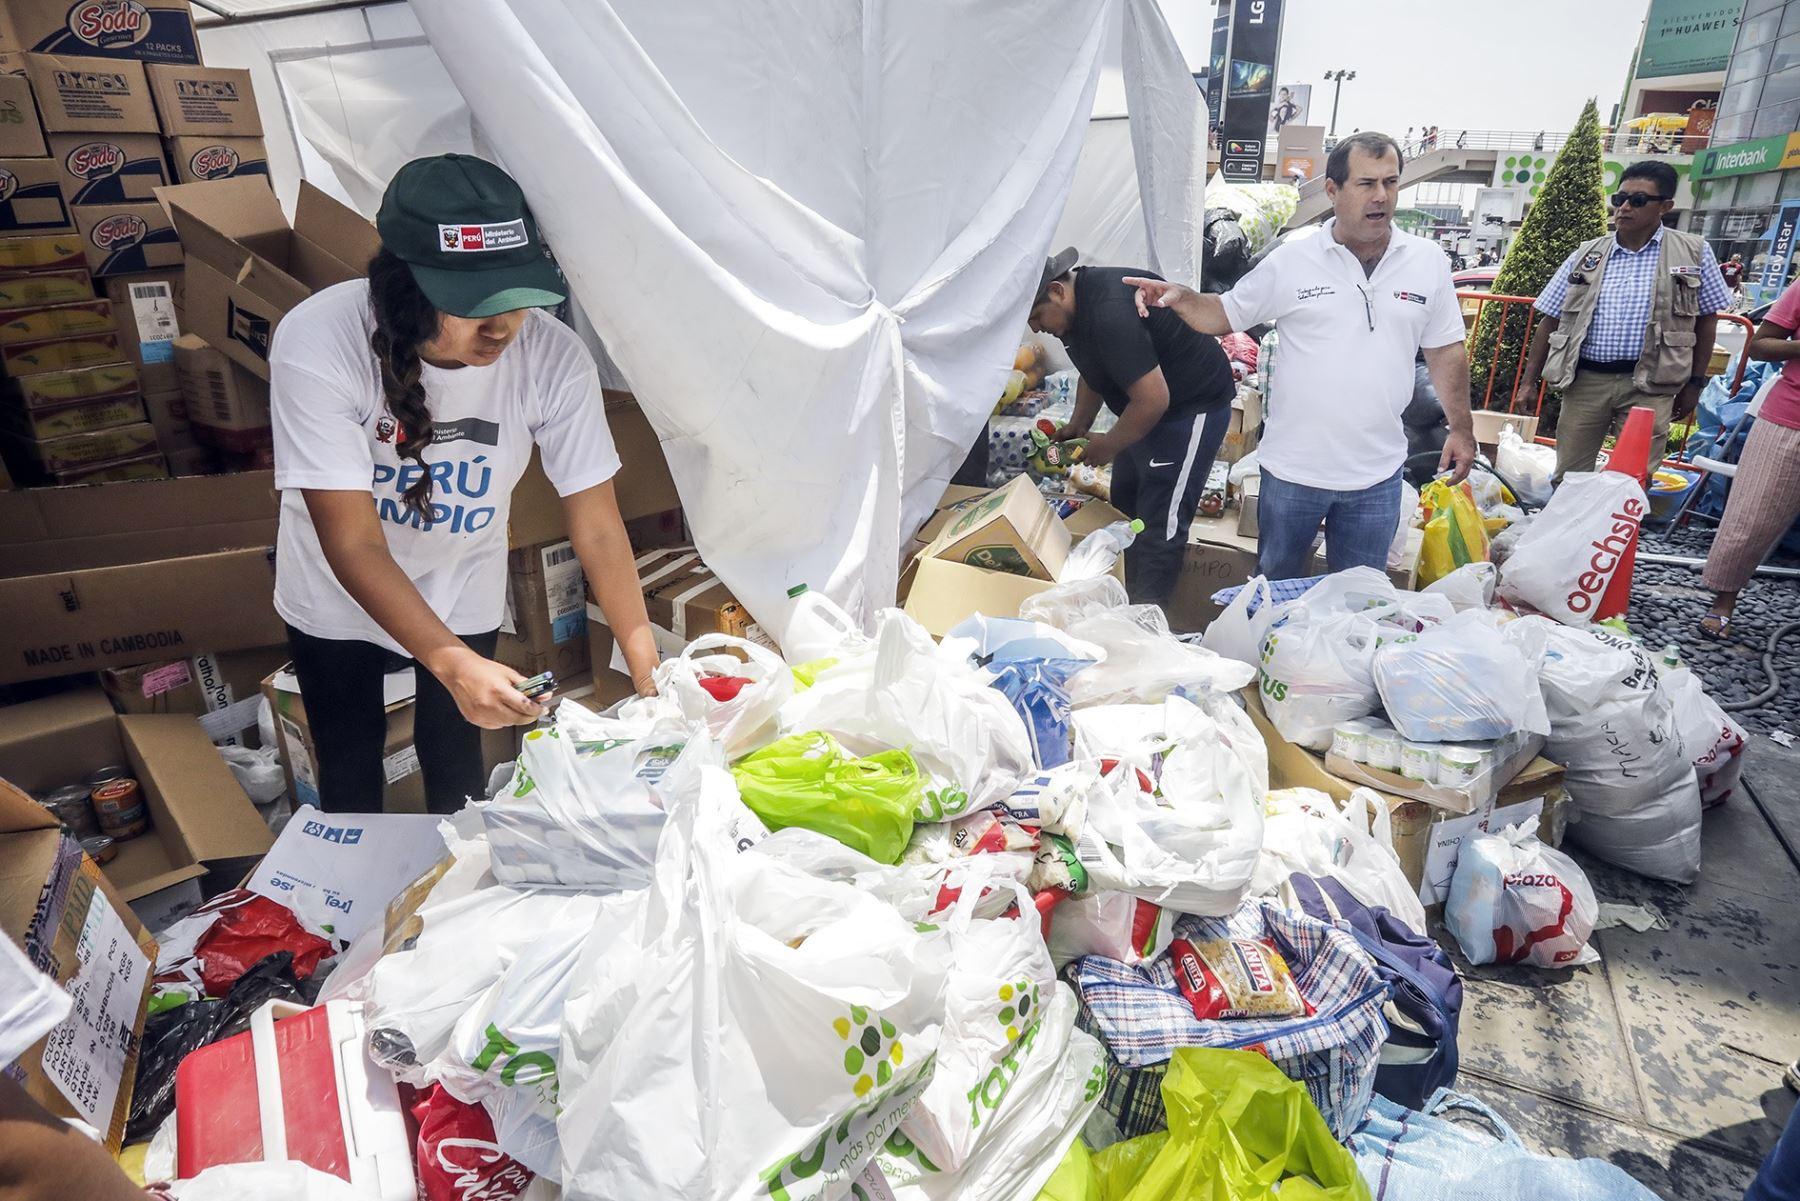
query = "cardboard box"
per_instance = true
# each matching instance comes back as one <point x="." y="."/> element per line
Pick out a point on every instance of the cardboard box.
<point x="61" y="354"/>
<point x="11" y="61"/>
<point x="81" y="417"/>
<point x="1244" y="434"/>
<point x="1249" y="497"/>
<point x="204" y="102"/>
<point x="247" y="268"/>
<point x="202" y="826"/>
<point x="684" y="600"/>
<point x="31" y="198"/>
<point x="45" y="288"/>
<point x="227" y="406"/>
<point x="149" y="30"/>
<point x="148" y="309"/>
<point x="643" y="487"/>
<point x="192" y="460"/>
<point x="56" y="322"/>
<point x="42" y="252"/>
<point x="1011" y="531"/>
<point x="957" y="498"/>
<point x="21" y="132"/>
<point x="91" y="95"/>
<point x="167" y="411"/>
<point x="547" y="606"/>
<point x="119" y="239"/>
<point x="148" y="466"/>
<point x="109" y="168"/>
<point x="223" y="690"/>
<point x="82" y="449"/>
<point x="68" y="919"/>
<point x="120" y="574"/>
<point x="52" y="388"/>
<point x="198" y="160"/>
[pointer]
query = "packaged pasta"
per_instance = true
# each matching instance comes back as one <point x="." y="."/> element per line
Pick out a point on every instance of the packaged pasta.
<point x="1226" y="978"/>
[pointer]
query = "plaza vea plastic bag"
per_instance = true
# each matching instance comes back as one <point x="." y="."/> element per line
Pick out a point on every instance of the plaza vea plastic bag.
<point x="1515" y="900"/>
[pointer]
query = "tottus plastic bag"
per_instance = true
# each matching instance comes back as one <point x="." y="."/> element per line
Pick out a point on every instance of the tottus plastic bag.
<point x="747" y="1030"/>
<point x="1515" y="900"/>
<point x="171" y="1035"/>
<point x="910" y="693"/>
<point x="808" y="780"/>
<point x="1239" y="1130"/>
<point x="583" y="808"/>
<point x="741" y="723"/>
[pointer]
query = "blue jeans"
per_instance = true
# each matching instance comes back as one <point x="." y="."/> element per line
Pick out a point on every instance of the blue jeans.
<point x="1359" y="526"/>
<point x="1779" y="1179"/>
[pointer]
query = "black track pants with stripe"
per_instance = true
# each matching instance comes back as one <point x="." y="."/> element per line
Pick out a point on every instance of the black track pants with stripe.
<point x="1160" y="480"/>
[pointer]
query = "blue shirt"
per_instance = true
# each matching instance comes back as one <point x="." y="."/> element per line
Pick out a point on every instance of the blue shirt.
<point x="1626" y="292"/>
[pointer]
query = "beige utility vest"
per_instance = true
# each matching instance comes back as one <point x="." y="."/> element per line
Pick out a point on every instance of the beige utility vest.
<point x="1667" y="361"/>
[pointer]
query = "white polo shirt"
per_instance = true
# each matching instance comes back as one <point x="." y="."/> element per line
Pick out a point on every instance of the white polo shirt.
<point x="1344" y="368"/>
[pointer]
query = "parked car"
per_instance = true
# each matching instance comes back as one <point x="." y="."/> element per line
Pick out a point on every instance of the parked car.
<point x="1475" y="279"/>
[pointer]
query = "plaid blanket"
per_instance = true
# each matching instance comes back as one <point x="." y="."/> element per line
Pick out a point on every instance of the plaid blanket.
<point x="1140" y="1016"/>
<point x="1280" y="591"/>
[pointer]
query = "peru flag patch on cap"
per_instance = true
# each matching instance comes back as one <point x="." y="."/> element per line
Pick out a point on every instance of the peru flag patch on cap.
<point x="466" y="238"/>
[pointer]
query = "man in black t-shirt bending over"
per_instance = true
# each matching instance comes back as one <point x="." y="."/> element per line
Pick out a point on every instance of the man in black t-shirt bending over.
<point x="1170" y="387"/>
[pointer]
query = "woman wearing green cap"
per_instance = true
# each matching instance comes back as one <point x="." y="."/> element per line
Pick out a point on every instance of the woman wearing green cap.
<point x="405" y="408"/>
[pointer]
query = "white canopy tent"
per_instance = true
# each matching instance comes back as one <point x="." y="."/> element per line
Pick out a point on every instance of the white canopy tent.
<point x="808" y="240"/>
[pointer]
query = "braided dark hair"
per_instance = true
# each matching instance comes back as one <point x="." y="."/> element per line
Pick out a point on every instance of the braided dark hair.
<point x="404" y="320"/>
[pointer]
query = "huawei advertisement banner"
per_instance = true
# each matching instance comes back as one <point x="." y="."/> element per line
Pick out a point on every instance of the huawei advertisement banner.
<point x="1293" y="105"/>
<point x="1249" y="87"/>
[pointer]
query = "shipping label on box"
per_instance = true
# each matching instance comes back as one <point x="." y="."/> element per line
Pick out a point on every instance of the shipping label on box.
<point x="148" y="311"/>
<point x="42" y="252"/>
<point x="53" y="388"/>
<point x="204" y="102"/>
<point x="159" y="31"/>
<point x="31" y="198"/>
<point x="198" y="160"/>
<point x="109" y="168"/>
<point x="91" y="95"/>
<point x="21" y="133"/>
<point x="43" y="288"/>
<point x="62" y="354"/>
<point x="76" y="418"/>
<point x="122" y="238"/>
<point x="56" y="321"/>
<point x="565" y="593"/>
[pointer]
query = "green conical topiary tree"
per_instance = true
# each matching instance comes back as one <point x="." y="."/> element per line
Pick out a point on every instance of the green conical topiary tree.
<point x="1569" y="210"/>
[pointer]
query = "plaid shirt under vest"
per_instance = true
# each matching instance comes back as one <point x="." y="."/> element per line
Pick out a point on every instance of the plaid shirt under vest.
<point x="1626" y="292"/>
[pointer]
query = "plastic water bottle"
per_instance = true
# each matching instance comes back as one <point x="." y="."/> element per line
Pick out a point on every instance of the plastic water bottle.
<point x="1671" y="658"/>
<point x="1099" y="551"/>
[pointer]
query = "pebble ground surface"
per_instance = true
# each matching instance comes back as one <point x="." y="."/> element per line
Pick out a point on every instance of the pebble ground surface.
<point x="1667" y="603"/>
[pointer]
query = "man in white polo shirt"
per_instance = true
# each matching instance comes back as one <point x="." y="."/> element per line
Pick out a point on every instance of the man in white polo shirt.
<point x="1353" y="305"/>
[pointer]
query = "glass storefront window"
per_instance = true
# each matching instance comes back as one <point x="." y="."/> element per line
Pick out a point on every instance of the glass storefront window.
<point x="1754" y="7"/>
<point x="1754" y="31"/>
<point x="1754" y="190"/>
<point x="1738" y="98"/>
<point x="1779" y="88"/>
<point x="1727" y="130"/>
<point x="1776" y="119"/>
<point x="1748" y="63"/>
<point x="1787" y="50"/>
<point x="1790" y="19"/>
<point x="1790" y="185"/>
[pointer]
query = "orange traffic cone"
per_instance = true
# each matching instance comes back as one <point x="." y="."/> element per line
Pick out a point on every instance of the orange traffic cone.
<point x="1630" y="456"/>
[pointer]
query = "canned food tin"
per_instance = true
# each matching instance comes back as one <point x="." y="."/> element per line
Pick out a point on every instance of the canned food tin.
<point x="1458" y="766"/>
<point x="72" y="808"/>
<point x="1418" y="761"/>
<point x="107" y="775"/>
<point x="119" y="804"/>
<point x="1384" y="748"/>
<point x="102" y="848"/>
<point x="1350" y="740"/>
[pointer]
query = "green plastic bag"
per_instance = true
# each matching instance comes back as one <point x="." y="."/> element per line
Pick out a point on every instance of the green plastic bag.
<point x="1239" y="1130"/>
<point x="808" y="780"/>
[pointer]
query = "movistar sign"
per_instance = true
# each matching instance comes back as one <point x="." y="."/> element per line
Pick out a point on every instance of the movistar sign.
<point x="1747" y="158"/>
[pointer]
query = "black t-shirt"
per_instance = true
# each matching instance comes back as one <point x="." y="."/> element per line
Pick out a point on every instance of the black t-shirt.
<point x="1114" y="348"/>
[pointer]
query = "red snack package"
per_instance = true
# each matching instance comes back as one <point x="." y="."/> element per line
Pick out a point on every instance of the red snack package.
<point x="1227" y="978"/>
<point x="458" y="1159"/>
<point x="247" y="934"/>
<point x="724" y="688"/>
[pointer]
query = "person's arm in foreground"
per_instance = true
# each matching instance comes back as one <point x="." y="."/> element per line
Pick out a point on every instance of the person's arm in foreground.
<point x="1449" y="368"/>
<point x="1534" y="358"/>
<point x="43" y="1158"/>
<point x="1772" y="343"/>
<point x="350" y="535"/>
<point x="1706" y="331"/>
<point x="1148" y="400"/>
<point x="1087" y="407"/>
<point x="1202" y="310"/>
<point x="598" y="535"/>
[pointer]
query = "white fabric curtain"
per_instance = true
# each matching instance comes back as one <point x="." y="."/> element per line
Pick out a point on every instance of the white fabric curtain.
<point x="809" y="232"/>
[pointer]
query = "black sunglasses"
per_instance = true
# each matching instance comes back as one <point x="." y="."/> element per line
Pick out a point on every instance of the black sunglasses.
<point x="1636" y="200"/>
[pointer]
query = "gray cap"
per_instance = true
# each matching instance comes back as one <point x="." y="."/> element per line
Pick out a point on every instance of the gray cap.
<point x="1057" y="264"/>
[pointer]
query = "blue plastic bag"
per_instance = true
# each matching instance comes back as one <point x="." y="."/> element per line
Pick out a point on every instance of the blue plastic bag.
<point x="1038" y="690"/>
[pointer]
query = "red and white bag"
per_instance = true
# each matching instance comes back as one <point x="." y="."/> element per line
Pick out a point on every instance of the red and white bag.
<point x="1708" y="736"/>
<point x="1564" y="561"/>
<point x="1515" y="900"/>
<point x="458" y="1158"/>
<point x="1114" y="924"/>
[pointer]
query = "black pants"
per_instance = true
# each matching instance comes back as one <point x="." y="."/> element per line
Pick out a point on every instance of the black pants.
<point x="340" y="685"/>
<point x="1160" y="480"/>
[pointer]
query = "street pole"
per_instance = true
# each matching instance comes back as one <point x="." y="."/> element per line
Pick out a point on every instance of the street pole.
<point x="1337" y="91"/>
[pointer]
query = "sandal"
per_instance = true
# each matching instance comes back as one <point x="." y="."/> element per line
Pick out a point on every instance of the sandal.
<point x="1716" y="626"/>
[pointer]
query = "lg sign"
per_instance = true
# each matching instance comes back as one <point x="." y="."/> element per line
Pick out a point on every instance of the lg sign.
<point x="1256" y="11"/>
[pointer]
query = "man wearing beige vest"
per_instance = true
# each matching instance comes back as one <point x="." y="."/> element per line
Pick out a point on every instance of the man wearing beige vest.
<point x="1627" y="320"/>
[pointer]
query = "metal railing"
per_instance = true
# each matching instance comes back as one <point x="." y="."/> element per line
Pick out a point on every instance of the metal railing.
<point x="1612" y="141"/>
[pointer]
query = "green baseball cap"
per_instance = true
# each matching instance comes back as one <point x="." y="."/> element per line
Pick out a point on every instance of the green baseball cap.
<point x="462" y="225"/>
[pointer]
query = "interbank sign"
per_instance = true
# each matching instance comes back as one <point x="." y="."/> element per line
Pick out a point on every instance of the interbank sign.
<point x="1747" y="158"/>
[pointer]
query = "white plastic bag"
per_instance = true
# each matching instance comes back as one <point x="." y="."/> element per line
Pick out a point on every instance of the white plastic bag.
<point x="1066" y="604"/>
<point x="1515" y="900"/>
<point x="1527" y="466"/>
<point x="1114" y="924"/>
<point x="1145" y="662"/>
<point x="1613" y="727"/>
<point x="911" y="694"/>
<point x="1470" y="586"/>
<point x="1459" y="682"/>
<point x="1029" y="1106"/>
<point x="582" y="808"/>
<point x="1179" y="822"/>
<point x="286" y="1180"/>
<point x="1566" y="558"/>
<point x="1237" y="632"/>
<point x="742" y="724"/>
<point x="747" y="1027"/>
<point x="258" y="772"/>
<point x="1708" y="736"/>
<point x="1409" y="518"/>
<point x="1305" y="831"/>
